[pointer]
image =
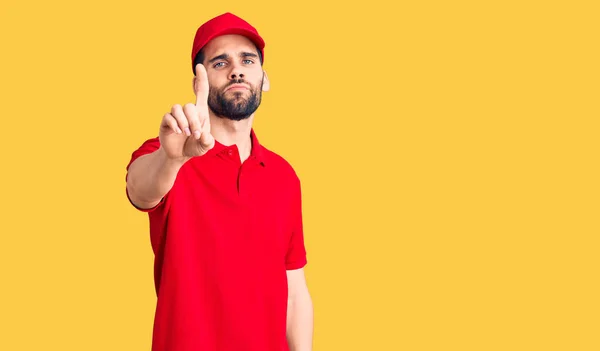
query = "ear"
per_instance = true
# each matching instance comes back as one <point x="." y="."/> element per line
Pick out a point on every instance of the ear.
<point x="266" y="83"/>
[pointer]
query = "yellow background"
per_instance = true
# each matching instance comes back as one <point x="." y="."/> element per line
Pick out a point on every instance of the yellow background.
<point x="448" y="152"/>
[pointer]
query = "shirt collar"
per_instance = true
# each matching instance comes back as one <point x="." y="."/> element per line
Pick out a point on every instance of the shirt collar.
<point x="257" y="151"/>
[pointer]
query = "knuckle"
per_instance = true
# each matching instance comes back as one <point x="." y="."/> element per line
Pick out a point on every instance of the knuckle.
<point x="175" y="108"/>
<point x="191" y="114"/>
<point x="189" y="111"/>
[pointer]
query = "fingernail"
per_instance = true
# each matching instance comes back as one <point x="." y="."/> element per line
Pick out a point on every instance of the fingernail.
<point x="187" y="132"/>
<point x="197" y="134"/>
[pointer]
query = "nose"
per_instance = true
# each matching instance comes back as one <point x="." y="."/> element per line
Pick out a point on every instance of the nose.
<point x="237" y="75"/>
<point x="236" y="71"/>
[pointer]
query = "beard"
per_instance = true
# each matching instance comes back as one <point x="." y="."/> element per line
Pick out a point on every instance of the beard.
<point x="237" y="107"/>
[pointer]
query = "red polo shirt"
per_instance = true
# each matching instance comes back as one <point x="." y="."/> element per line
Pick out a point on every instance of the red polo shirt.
<point x="223" y="238"/>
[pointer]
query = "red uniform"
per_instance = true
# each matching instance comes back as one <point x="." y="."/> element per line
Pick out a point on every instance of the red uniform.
<point x="223" y="238"/>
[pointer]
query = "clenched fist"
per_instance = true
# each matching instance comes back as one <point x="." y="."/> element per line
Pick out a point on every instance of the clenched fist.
<point x="185" y="132"/>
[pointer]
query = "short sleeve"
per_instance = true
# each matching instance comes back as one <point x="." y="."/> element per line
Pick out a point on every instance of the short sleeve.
<point x="148" y="147"/>
<point x="296" y="252"/>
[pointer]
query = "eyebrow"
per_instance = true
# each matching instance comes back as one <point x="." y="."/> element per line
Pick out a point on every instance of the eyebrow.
<point x="226" y="56"/>
<point x="220" y="57"/>
<point x="248" y="54"/>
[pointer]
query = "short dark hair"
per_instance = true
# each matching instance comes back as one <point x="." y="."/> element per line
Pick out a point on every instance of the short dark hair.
<point x="200" y="58"/>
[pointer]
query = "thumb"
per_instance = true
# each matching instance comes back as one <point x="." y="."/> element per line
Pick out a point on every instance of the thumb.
<point x="207" y="141"/>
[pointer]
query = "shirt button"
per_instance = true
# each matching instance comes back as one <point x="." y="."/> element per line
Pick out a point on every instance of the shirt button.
<point x="230" y="152"/>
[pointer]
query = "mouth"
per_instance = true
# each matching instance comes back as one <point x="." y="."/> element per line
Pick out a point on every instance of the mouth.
<point x="237" y="87"/>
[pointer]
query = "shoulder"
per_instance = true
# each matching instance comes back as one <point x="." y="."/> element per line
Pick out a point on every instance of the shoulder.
<point x="282" y="173"/>
<point x="146" y="147"/>
<point x="280" y="164"/>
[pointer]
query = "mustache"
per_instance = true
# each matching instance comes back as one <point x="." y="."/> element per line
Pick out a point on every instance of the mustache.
<point x="237" y="81"/>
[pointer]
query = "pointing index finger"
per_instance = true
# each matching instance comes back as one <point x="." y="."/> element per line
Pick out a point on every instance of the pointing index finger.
<point x="201" y="85"/>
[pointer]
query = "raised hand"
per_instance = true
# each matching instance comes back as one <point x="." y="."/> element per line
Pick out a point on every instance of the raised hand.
<point x="185" y="131"/>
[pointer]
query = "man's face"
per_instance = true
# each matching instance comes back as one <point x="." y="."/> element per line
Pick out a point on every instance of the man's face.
<point x="235" y="77"/>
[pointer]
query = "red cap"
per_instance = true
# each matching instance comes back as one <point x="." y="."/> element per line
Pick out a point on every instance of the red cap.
<point x="226" y="23"/>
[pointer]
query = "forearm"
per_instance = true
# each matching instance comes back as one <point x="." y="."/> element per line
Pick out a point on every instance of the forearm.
<point x="150" y="177"/>
<point x="300" y="322"/>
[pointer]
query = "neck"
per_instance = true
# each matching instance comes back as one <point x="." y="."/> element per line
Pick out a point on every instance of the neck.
<point x="229" y="132"/>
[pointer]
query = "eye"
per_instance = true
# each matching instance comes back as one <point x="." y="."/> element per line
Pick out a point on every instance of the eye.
<point x="248" y="62"/>
<point x="216" y="65"/>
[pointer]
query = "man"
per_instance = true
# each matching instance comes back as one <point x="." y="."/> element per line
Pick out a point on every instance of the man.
<point x="224" y="211"/>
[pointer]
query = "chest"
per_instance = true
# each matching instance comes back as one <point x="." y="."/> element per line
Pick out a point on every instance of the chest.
<point x="232" y="211"/>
